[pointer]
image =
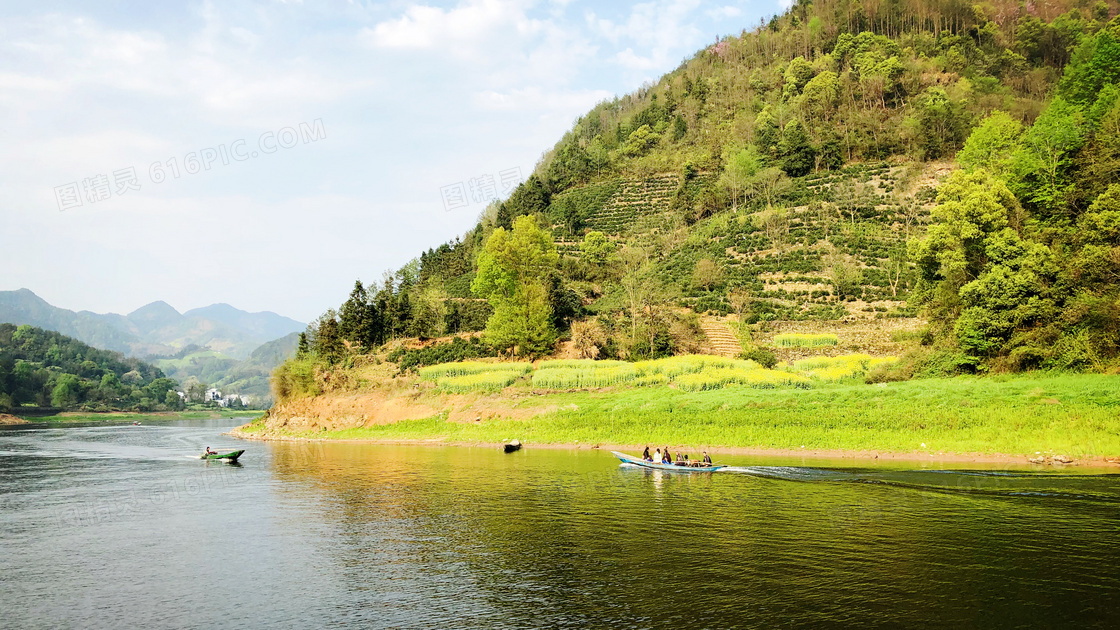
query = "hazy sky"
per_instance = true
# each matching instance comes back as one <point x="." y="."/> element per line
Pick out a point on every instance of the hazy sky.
<point x="313" y="142"/>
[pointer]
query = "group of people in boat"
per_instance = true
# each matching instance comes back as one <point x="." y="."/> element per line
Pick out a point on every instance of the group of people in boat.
<point x="665" y="457"/>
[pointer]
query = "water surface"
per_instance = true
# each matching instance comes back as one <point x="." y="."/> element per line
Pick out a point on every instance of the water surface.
<point x="104" y="523"/>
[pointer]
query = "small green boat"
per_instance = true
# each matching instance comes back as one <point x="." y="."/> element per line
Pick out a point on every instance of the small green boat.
<point x="230" y="456"/>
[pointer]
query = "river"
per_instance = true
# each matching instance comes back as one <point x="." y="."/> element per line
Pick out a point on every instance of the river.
<point x="117" y="524"/>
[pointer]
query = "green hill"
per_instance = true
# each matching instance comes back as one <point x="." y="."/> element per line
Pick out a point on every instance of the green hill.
<point x="42" y="368"/>
<point x="232" y="376"/>
<point x="844" y="162"/>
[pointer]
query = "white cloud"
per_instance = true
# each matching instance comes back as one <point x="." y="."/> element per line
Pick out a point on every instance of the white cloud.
<point x="726" y="12"/>
<point x="535" y="99"/>
<point x="468" y="25"/>
<point x="414" y="96"/>
<point x="651" y="33"/>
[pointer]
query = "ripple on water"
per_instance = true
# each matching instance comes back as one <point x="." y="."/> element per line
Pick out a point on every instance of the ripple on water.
<point x="111" y="522"/>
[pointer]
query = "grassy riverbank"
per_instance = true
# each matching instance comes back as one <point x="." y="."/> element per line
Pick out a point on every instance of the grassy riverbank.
<point x="1075" y="415"/>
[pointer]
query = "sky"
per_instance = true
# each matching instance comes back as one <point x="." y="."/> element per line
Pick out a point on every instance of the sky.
<point x="267" y="154"/>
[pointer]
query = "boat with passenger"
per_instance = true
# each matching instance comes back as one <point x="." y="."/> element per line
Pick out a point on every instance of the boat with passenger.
<point x="694" y="465"/>
<point x="230" y="457"/>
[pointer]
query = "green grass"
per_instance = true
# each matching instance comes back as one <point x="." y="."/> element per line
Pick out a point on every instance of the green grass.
<point x="1077" y="415"/>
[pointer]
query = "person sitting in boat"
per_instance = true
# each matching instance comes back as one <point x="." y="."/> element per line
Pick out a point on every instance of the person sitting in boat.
<point x="210" y="452"/>
<point x="646" y="455"/>
<point x="682" y="459"/>
<point x="658" y="453"/>
<point x="707" y="458"/>
<point x="666" y="456"/>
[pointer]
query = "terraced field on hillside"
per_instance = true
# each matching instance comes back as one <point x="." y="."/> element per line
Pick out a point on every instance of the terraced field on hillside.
<point x="833" y="247"/>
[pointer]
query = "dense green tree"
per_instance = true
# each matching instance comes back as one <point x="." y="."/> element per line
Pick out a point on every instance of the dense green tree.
<point x="640" y="141"/>
<point x="1095" y="64"/>
<point x="992" y="144"/>
<point x="513" y="268"/>
<point x="798" y="73"/>
<point x="67" y="391"/>
<point x="564" y="304"/>
<point x="429" y="310"/>
<point x="1098" y="165"/>
<point x="821" y="95"/>
<point x="596" y="249"/>
<point x="942" y="123"/>
<point x="1040" y="166"/>
<point x="531" y="197"/>
<point x="360" y="321"/>
<point x="680" y="127"/>
<point x="971" y="208"/>
<point x="795" y="151"/>
<point x="329" y="344"/>
<point x="767" y="133"/>
<point x="739" y="171"/>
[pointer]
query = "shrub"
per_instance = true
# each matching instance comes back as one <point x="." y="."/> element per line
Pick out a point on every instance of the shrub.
<point x="295" y="378"/>
<point x="762" y="356"/>
<point x="455" y="350"/>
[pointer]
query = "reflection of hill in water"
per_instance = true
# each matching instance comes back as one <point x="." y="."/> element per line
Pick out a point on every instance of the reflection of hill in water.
<point x="552" y="538"/>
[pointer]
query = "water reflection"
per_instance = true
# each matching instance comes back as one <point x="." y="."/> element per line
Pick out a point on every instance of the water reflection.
<point x="104" y="523"/>
<point x="559" y="539"/>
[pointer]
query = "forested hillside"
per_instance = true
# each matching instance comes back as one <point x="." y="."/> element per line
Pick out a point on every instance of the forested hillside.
<point x="846" y="161"/>
<point x="47" y="369"/>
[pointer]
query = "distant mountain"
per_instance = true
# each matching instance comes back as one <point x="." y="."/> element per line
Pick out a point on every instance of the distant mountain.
<point x="264" y="325"/>
<point x="154" y="316"/>
<point x="24" y="307"/>
<point x="156" y="329"/>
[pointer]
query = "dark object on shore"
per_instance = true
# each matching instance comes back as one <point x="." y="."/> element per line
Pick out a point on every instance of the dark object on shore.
<point x="693" y="466"/>
<point x="227" y="456"/>
<point x="511" y="446"/>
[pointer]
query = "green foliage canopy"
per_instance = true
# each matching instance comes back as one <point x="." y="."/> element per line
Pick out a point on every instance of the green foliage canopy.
<point x="513" y="268"/>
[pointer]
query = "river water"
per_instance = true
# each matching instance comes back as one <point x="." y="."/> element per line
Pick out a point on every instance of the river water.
<point x="108" y="525"/>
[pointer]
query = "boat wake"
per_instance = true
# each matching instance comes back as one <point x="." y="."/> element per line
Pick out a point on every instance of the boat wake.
<point x="1105" y="488"/>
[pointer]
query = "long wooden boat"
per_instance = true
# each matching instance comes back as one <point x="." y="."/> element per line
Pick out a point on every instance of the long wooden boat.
<point x="638" y="461"/>
<point x="232" y="456"/>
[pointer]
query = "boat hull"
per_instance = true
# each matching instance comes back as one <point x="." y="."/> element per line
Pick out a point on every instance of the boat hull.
<point x="227" y="456"/>
<point x="637" y="461"/>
